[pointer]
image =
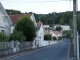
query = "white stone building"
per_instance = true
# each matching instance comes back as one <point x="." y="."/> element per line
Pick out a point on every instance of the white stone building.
<point x="64" y="27"/>
<point x="5" y="21"/>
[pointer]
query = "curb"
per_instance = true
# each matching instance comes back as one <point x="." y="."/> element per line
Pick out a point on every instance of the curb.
<point x="72" y="57"/>
<point x="68" y="52"/>
<point x="20" y="54"/>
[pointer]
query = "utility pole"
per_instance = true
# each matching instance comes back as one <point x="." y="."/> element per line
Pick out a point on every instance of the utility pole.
<point x="75" y="26"/>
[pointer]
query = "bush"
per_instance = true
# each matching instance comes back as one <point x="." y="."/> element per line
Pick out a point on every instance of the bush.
<point x="58" y="28"/>
<point x="67" y="33"/>
<point x="47" y="37"/>
<point x="54" y="38"/>
<point x="3" y="37"/>
<point x="17" y="35"/>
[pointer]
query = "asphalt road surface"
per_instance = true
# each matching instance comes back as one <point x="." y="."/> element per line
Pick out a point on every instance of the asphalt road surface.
<point x="58" y="51"/>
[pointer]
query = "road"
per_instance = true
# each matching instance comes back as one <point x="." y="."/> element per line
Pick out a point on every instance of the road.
<point x="58" y="51"/>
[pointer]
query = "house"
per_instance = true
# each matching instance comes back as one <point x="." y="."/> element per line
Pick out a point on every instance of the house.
<point x="47" y="29"/>
<point x="5" y="21"/>
<point x="15" y="19"/>
<point x="56" y="34"/>
<point x="64" y="27"/>
<point x="40" y="33"/>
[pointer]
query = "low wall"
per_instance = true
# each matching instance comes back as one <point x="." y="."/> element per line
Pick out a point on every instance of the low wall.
<point x="15" y="46"/>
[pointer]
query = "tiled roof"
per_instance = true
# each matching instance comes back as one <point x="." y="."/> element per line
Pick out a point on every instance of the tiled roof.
<point x="56" y="32"/>
<point x="15" y="18"/>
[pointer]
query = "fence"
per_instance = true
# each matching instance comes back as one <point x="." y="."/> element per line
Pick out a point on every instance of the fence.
<point x="15" y="46"/>
<point x="5" y="45"/>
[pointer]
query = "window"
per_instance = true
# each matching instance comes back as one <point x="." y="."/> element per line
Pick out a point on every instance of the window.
<point x="2" y="31"/>
<point x="4" y="18"/>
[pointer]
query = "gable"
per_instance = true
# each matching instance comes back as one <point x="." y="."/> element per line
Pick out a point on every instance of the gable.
<point x="4" y="14"/>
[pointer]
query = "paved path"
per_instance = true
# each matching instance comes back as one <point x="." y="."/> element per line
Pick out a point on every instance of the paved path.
<point x="54" y="52"/>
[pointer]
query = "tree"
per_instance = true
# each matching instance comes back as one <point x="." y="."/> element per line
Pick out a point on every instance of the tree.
<point x="79" y="23"/>
<point x="61" y="21"/>
<point x="71" y="23"/>
<point x="17" y="36"/>
<point x="3" y="37"/>
<point x="54" y="38"/>
<point x="58" y="28"/>
<point x="12" y="12"/>
<point x="67" y="33"/>
<point x="47" y="37"/>
<point x="27" y="27"/>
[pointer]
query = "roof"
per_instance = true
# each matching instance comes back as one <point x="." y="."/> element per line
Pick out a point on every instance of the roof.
<point x="15" y="18"/>
<point x="56" y="32"/>
<point x="5" y="14"/>
<point x="39" y="24"/>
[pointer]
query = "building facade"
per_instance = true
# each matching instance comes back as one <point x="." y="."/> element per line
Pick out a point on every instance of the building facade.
<point x="5" y="21"/>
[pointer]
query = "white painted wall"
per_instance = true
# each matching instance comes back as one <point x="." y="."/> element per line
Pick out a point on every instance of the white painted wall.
<point x="46" y="25"/>
<point x="4" y="25"/>
<point x="12" y="28"/>
<point x="64" y="27"/>
<point x="33" y="19"/>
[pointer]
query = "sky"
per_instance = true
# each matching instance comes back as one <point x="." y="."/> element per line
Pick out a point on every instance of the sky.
<point x="39" y="6"/>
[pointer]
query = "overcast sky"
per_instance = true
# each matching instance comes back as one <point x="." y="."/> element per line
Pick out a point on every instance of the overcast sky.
<point x="39" y="6"/>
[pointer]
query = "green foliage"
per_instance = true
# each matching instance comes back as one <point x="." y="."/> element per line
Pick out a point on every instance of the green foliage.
<point x="61" y="21"/>
<point x="67" y="33"/>
<point x="54" y="38"/>
<point x="47" y="37"/>
<point x="17" y="36"/>
<point x="3" y="37"/>
<point x="71" y="23"/>
<point x="12" y="12"/>
<point x="79" y="23"/>
<point x="50" y="25"/>
<point x="50" y="18"/>
<point x="27" y="27"/>
<point x="58" y="28"/>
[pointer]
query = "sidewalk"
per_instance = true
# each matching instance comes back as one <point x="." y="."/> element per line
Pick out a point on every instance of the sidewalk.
<point x="71" y="52"/>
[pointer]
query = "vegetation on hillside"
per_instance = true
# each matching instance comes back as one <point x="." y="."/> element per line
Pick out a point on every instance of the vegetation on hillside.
<point x="53" y="18"/>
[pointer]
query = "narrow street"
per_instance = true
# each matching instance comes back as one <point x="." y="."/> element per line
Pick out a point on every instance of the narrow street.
<point x="55" y="52"/>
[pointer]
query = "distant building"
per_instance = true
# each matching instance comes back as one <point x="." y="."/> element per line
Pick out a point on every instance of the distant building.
<point x="46" y="26"/>
<point x="56" y="34"/>
<point x="47" y="29"/>
<point x="64" y="27"/>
